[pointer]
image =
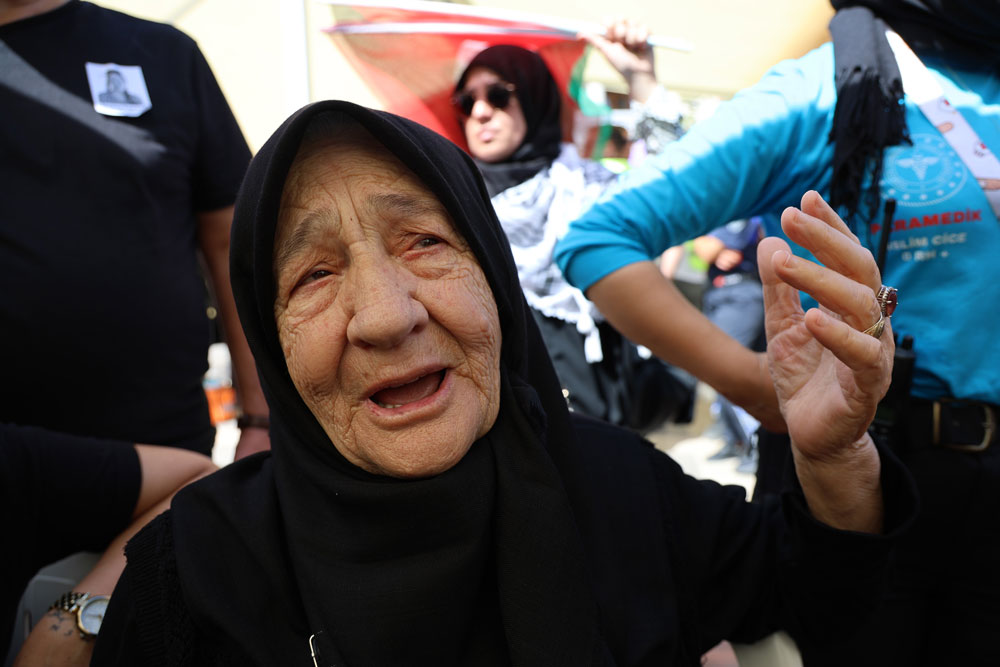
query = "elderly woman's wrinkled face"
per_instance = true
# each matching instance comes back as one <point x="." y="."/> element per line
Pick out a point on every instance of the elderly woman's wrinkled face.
<point x="388" y="325"/>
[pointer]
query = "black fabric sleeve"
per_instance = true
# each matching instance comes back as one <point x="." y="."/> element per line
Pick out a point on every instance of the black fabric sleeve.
<point x="756" y="568"/>
<point x="148" y="622"/>
<point x="135" y="627"/>
<point x="222" y="154"/>
<point x="837" y="579"/>
<point x="118" y="640"/>
<point x="65" y="493"/>
<point x="59" y="494"/>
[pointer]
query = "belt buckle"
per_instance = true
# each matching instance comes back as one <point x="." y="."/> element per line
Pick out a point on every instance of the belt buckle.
<point x="989" y="428"/>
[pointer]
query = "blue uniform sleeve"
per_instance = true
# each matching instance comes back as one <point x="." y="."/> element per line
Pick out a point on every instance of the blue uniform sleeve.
<point x="758" y="154"/>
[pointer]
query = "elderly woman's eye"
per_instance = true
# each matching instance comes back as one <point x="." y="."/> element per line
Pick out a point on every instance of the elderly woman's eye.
<point x="314" y="276"/>
<point x="427" y="242"/>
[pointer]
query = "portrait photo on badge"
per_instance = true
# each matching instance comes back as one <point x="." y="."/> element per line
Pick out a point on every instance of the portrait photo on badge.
<point x="118" y="90"/>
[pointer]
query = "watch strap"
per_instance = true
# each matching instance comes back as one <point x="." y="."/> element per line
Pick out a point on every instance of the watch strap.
<point x="253" y="421"/>
<point x="69" y="601"/>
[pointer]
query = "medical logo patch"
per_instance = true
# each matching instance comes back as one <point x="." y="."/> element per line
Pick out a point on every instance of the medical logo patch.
<point x="929" y="172"/>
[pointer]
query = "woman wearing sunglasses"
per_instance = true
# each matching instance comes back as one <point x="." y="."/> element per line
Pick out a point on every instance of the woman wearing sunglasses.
<point x="510" y="109"/>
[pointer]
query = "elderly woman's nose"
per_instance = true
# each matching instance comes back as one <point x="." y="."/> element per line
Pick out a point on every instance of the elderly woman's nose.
<point x="385" y="308"/>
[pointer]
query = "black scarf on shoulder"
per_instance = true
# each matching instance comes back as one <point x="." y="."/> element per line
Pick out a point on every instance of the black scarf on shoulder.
<point x="538" y="96"/>
<point x="482" y="564"/>
<point x="870" y="116"/>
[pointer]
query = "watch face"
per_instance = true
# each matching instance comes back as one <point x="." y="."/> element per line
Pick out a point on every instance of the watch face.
<point x="92" y="614"/>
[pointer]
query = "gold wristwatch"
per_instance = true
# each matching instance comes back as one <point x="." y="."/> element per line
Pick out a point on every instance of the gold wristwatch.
<point x="89" y="610"/>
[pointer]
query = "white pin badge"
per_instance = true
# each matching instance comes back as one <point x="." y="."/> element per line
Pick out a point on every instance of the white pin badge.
<point x="118" y="90"/>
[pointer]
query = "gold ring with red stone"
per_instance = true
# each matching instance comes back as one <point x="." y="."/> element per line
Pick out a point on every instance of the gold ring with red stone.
<point x="887" y="298"/>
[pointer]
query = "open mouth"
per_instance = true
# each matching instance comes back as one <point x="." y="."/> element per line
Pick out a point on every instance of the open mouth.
<point x="409" y="392"/>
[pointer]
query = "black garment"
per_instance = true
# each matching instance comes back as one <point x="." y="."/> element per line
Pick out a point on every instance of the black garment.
<point x="597" y="391"/>
<point x="553" y="541"/>
<point x="869" y="116"/>
<point x="59" y="494"/>
<point x="676" y="565"/>
<point x="103" y="306"/>
<point x="623" y="388"/>
<point x="943" y="587"/>
<point x="541" y="105"/>
<point x="964" y="27"/>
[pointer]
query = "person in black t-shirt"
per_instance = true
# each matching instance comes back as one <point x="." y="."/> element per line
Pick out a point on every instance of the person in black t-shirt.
<point x="120" y="160"/>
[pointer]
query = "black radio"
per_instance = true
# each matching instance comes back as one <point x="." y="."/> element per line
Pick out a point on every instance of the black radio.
<point x="892" y="408"/>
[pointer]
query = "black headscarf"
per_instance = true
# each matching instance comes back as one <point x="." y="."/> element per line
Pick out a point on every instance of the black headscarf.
<point x="869" y="115"/>
<point x="967" y="28"/>
<point x="482" y="564"/>
<point x="538" y="95"/>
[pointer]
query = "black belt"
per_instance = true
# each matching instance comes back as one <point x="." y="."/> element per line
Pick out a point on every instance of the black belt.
<point x="967" y="426"/>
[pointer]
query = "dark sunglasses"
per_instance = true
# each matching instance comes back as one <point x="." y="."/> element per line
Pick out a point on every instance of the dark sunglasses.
<point x="497" y="96"/>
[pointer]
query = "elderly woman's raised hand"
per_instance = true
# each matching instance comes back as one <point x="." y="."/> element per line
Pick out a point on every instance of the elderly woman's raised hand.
<point x="828" y="373"/>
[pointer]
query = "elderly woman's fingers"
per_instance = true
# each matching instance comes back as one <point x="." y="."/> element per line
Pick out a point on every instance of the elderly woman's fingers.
<point x="831" y="246"/>
<point x="862" y="353"/>
<point x="854" y="302"/>
<point x="814" y="205"/>
<point x="782" y="306"/>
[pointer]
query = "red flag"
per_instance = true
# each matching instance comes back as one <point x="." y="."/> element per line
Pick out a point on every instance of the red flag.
<point x="411" y="53"/>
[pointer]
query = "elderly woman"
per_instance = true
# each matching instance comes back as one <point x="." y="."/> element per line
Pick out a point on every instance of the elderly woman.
<point x="510" y="110"/>
<point x="429" y="500"/>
